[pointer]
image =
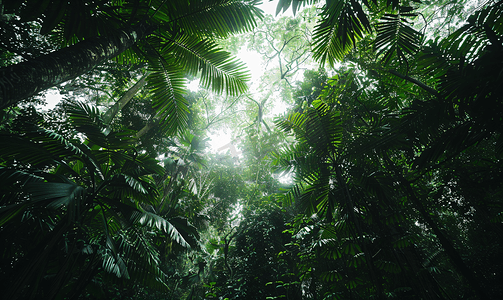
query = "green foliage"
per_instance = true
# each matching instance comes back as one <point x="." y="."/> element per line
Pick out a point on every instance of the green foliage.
<point x="254" y="267"/>
<point x="341" y="25"/>
<point x="393" y="157"/>
<point x="370" y="226"/>
<point x="83" y="211"/>
<point x="395" y="38"/>
<point x="176" y="39"/>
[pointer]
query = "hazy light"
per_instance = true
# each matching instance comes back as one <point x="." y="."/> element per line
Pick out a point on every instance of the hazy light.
<point x="256" y="66"/>
<point x="52" y="97"/>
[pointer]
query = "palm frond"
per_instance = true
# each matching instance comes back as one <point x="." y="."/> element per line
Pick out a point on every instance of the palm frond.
<point x="10" y="177"/>
<point x="284" y="5"/>
<point x="87" y="120"/>
<point x="167" y="84"/>
<point x="323" y="128"/>
<point x="463" y="46"/>
<point x="144" y="164"/>
<point x="187" y="230"/>
<point x="141" y="256"/>
<point x="59" y="194"/>
<point x="115" y="264"/>
<point x="123" y="186"/>
<point x="342" y="24"/>
<point x="395" y="38"/>
<point x="293" y="121"/>
<point x="319" y="196"/>
<point x="484" y="20"/>
<point x="214" y="18"/>
<point x="115" y="159"/>
<point x="319" y="132"/>
<point x="43" y="147"/>
<point x="289" y="156"/>
<point x="152" y="220"/>
<point x="218" y="69"/>
<point x="13" y="182"/>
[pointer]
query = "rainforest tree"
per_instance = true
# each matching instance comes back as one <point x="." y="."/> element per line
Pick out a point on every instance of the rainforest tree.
<point x="390" y="151"/>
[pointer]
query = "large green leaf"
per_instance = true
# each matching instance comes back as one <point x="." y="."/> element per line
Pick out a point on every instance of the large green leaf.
<point x="210" y="18"/>
<point x="342" y="24"/>
<point x="395" y="37"/>
<point x="45" y="148"/>
<point x="217" y="68"/>
<point x="58" y="194"/>
<point x="167" y="84"/>
<point x="152" y="220"/>
<point x="87" y="120"/>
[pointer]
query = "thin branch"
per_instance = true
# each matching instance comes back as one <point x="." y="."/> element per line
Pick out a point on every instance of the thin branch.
<point x="416" y="82"/>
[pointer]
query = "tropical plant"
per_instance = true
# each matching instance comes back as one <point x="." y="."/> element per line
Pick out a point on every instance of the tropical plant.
<point x="394" y="180"/>
<point x="393" y="159"/>
<point x="255" y="263"/>
<point x="341" y="24"/>
<point x="83" y="211"/>
<point x="176" y="39"/>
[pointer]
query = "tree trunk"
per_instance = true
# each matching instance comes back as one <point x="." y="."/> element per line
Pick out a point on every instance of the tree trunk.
<point x="446" y="243"/>
<point x="112" y="111"/>
<point x="150" y="124"/>
<point x="448" y="246"/>
<point x="20" y="81"/>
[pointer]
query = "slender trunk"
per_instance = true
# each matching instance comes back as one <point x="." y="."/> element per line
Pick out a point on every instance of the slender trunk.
<point x="226" y="253"/>
<point x="416" y="82"/>
<point x="150" y="124"/>
<point x="448" y="246"/>
<point x="20" y="81"/>
<point x="112" y="111"/>
<point x="453" y="254"/>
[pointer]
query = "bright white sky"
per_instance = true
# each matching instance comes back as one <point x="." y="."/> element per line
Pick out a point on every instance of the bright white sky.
<point x="220" y="141"/>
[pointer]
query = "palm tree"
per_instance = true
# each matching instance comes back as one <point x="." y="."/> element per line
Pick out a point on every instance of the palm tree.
<point x="401" y="147"/>
<point x="341" y="24"/>
<point x="70" y="212"/>
<point x="176" y="38"/>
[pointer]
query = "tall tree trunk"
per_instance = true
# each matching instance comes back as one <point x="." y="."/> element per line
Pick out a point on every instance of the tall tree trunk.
<point x="150" y="124"/>
<point x="20" y="81"/>
<point x="112" y="111"/>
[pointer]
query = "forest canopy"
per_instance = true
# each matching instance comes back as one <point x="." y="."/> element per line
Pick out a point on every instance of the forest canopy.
<point x="381" y="179"/>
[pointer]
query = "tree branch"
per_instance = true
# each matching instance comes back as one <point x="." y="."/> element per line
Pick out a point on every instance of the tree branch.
<point x="416" y="82"/>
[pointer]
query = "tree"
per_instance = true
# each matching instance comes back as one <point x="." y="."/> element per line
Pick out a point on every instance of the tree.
<point x="81" y="211"/>
<point x="401" y="135"/>
<point x="175" y="39"/>
<point x="284" y="42"/>
<point x="253" y="268"/>
<point x="393" y="149"/>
